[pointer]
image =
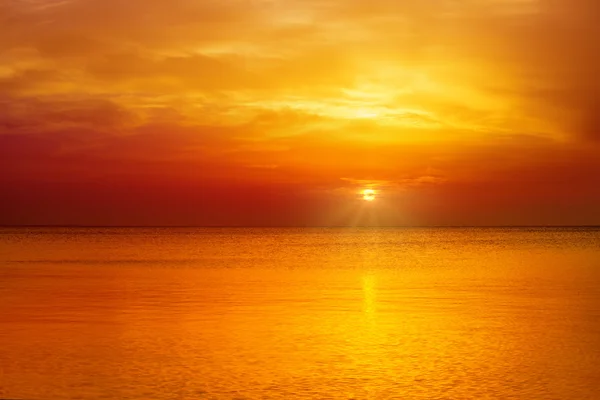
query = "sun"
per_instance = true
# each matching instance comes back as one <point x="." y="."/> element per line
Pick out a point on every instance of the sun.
<point x="368" y="194"/>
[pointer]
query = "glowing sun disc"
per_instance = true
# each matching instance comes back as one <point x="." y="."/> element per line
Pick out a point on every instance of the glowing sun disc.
<point x="368" y="194"/>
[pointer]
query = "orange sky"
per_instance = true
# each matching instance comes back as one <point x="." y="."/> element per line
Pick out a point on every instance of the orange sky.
<point x="279" y="112"/>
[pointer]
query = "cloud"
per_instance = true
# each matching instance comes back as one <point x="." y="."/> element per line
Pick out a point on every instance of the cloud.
<point x="487" y="104"/>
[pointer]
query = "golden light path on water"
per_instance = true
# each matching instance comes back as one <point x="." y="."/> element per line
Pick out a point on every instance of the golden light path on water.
<point x="369" y="288"/>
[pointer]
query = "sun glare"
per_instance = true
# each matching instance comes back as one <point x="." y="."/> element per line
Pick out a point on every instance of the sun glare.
<point x="368" y="194"/>
<point x="366" y="114"/>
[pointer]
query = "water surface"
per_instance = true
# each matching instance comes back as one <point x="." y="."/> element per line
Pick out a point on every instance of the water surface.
<point x="125" y="313"/>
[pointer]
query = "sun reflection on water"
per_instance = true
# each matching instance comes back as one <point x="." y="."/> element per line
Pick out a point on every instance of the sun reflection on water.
<point x="369" y="282"/>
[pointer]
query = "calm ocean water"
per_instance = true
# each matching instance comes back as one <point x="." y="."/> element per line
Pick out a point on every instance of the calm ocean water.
<point x="299" y="313"/>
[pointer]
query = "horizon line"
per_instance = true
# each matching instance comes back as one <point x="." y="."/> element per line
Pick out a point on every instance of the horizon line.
<point x="293" y="226"/>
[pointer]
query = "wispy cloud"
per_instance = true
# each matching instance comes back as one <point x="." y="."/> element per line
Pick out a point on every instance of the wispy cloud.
<point x="494" y="96"/>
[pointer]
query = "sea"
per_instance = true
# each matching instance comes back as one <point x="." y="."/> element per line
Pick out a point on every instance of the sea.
<point x="300" y="313"/>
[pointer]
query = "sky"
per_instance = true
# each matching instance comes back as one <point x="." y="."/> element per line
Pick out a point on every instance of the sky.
<point x="281" y="112"/>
